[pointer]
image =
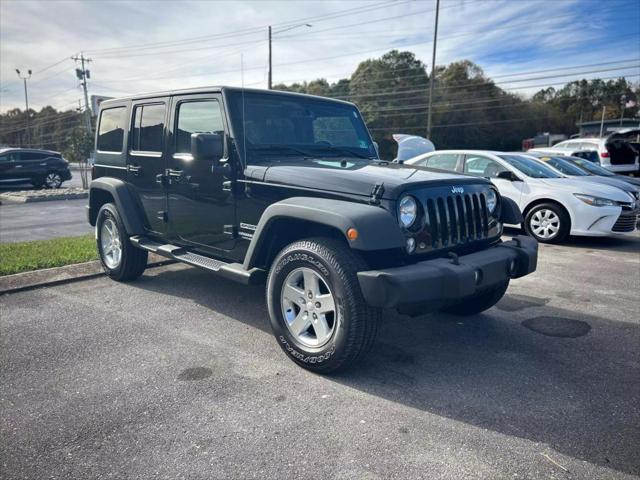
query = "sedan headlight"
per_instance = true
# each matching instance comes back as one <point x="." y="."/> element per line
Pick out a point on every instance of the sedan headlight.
<point x="596" y="201"/>
<point x="407" y="211"/>
<point x="492" y="200"/>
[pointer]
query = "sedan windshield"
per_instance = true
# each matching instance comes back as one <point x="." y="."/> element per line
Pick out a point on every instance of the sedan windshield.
<point x="529" y="166"/>
<point x="591" y="167"/>
<point x="565" y="166"/>
<point x="270" y="125"/>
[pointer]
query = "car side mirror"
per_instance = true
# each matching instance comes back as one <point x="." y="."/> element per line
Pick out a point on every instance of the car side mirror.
<point x="508" y="175"/>
<point x="207" y="146"/>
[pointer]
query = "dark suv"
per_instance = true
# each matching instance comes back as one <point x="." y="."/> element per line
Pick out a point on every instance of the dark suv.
<point x="288" y="190"/>
<point x="41" y="168"/>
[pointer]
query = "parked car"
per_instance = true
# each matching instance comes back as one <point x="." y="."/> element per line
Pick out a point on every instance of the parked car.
<point x="596" y="169"/>
<point x="618" y="152"/>
<point x="568" y="168"/>
<point x="288" y="190"/>
<point x="553" y="206"/>
<point x="41" y="168"/>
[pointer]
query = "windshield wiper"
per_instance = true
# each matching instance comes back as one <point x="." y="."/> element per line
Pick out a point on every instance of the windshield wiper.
<point x="279" y="148"/>
<point x="344" y="151"/>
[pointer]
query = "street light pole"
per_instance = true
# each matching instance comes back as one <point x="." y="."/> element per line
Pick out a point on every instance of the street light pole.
<point x="270" y="77"/>
<point x="26" y="101"/>
<point x="433" y="69"/>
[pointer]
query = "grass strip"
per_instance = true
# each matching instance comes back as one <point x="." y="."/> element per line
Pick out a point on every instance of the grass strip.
<point x="56" y="252"/>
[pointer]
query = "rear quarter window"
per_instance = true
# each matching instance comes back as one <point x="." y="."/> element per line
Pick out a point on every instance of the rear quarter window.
<point x="113" y="122"/>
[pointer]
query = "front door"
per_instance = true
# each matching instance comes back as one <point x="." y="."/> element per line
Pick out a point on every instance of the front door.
<point x="482" y="166"/>
<point x="201" y="207"/>
<point x="146" y="161"/>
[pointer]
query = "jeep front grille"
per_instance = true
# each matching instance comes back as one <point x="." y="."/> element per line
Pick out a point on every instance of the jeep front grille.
<point x="456" y="219"/>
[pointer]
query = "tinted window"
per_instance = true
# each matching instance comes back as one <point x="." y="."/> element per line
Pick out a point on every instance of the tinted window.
<point x="530" y="167"/>
<point x="197" y="117"/>
<point x="564" y="166"/>
<point x="111" y="130"/>
<point x="443" y="161"/>
<point x="4" y="158"/>
<point x="482" y="166"/>
<point x="148" y="128"/>
<point x="592" y="167"/>
<point x="32" y="156"/>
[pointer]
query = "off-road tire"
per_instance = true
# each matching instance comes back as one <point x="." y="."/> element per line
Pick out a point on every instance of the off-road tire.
<point x="563" y="216"/>
<point x="133" y="260"/>
<point x="355" y="331"/>
<point x="479" y="302"/>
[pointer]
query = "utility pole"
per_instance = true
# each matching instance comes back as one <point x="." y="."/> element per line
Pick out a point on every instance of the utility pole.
<point x="433" y="69"/>
<point x="270" y="78"/>
<point x="83" y="74"/>
<point x="26" y="101"/>
<point x="269" y="85"/>
<point x="604" y="110"/>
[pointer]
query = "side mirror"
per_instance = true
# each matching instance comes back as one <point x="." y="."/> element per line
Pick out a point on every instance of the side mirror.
<point x="508" y="175"/>
<point x="207" y="146"/>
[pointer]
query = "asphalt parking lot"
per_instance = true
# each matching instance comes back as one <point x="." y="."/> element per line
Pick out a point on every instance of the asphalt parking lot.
<point x="177" y="376"/>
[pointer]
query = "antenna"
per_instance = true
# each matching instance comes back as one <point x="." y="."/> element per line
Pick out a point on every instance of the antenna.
<point x="244" y="125"/>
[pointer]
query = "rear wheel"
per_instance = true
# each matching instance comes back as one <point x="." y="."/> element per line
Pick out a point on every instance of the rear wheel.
<point x="480" y="302"/>
<point x="120" y="259"/>
<point x="53" y="180"/>
<point x="547" y="223"/>
<point x="317" y="311"/>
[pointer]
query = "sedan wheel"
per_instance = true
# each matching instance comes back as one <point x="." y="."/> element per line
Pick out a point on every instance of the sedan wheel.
<point x="545" y="224"/>
<point x="53" y="180"/>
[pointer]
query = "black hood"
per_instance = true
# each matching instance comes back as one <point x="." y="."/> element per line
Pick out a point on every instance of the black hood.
<point x="356" y="177"/>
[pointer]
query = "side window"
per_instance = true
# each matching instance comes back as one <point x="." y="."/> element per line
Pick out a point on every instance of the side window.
<point x="32" y="156"/>
<point x="482" y="166"/>
<point x="4" y="158"/>
<point x="148" y="128"/>
<point x="111" y="130"/>
<point x="203" y="116"/>
<point x="443" y="161"/>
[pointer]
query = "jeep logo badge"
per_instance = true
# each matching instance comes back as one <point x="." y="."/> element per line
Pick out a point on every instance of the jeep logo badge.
<point x="457" y="189"/>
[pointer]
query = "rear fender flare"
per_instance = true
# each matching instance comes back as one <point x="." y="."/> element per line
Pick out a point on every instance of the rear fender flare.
<point x="125" y="200"/>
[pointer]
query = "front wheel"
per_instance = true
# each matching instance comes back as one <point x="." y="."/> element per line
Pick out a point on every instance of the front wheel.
<point x="479" y="302"/>
<point x="547" y="223"/>
<point x="318" y="314"/>
<point x="120" y="259"/>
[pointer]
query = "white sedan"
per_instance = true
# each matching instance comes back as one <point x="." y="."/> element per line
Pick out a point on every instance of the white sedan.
<point x="553" y="206"/>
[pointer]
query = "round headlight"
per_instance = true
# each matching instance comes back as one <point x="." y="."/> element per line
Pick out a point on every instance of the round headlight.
<point x="492" y="200"/>
<point x="407" y="211"/>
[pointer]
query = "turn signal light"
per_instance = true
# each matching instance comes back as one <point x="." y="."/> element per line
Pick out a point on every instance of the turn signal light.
<point x="352" y="234"/>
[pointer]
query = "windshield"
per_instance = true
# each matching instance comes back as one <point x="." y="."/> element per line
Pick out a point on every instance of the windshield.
<point x="297" y="127"/>
<point x="564" y="166"/>
<point x="592" y="167"/>
<point x="530" y="167"/>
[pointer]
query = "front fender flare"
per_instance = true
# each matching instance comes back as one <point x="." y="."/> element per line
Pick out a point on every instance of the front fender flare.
<point x="125" y="201"/>
<point x="377" y="228"/>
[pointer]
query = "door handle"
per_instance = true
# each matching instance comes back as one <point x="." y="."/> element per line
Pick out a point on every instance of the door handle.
<point x="135" y="169"/>
<point x="174" y="173"/>
<point x="176" y="176"/>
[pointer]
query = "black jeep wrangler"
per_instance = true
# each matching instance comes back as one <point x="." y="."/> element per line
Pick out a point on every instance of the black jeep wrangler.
<point x="288" y="189"/>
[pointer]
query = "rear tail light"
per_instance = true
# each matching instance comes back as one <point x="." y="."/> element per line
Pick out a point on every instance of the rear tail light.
<point x="93" y="172"/>
<point x="604" y="154"/>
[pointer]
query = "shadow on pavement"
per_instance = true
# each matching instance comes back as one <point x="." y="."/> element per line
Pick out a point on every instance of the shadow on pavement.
<point x="523" y="369"/>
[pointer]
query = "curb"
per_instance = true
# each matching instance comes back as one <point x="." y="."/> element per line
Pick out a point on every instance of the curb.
<point x="19" y="282"/>
<point x="7" y="199"/>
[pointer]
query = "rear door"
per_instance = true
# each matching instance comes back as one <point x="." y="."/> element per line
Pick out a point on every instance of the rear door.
<point x="201" y="208"/>
<point x="146" y="160"/>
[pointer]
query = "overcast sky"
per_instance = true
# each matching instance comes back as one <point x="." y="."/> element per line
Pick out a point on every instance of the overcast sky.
<point x="139" y="46"/>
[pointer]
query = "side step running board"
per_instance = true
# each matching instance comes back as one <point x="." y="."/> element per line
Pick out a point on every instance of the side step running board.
<point x="232" y="271"/>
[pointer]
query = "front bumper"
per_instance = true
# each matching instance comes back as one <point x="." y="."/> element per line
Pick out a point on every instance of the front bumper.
<point x="443" y="280"/>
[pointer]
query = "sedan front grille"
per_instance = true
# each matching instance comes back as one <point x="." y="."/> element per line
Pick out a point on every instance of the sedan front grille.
<point x="626" y="223"/>
<point x="457" y="219"/>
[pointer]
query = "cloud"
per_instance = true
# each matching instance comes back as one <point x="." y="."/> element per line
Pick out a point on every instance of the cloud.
<point x="503" y="36"/>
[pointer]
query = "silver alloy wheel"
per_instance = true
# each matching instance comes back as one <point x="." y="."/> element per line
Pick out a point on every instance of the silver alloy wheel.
<point x="53" y="180"/>
<point x="308" y="307"/>
<point x="545" y="223"/>
<point x="110" y="247"/>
